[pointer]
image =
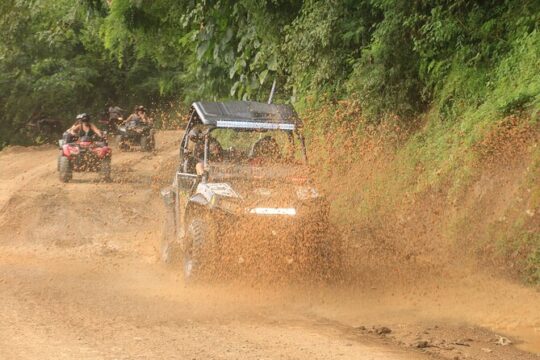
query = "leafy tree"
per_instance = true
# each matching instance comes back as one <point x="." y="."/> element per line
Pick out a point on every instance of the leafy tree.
<point x="395" y="56"/>
<point x="53" y="64"/>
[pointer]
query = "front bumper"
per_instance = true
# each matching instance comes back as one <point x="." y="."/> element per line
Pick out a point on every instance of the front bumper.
<point x="299" y="223"/>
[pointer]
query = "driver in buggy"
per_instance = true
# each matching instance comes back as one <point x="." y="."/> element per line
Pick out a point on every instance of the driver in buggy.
<point x="114" y="113"/>
<point x="195" y="159"/>
<point x="265" y="149"/>
<point x="82" y="127"/>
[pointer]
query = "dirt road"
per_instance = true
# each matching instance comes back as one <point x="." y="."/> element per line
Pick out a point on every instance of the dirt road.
<point x="80" y="279"/>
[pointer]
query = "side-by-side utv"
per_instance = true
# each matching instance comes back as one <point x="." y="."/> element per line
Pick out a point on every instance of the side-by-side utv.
<point x="242" y="191"/>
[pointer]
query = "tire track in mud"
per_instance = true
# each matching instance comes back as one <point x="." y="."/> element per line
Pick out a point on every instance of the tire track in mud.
<point x="97" y="315"/>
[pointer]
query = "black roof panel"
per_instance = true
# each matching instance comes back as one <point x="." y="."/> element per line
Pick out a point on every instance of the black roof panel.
<point x="247" y="114"/>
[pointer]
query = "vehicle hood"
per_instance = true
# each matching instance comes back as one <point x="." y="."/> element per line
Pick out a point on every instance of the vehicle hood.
<point x="265" y="197"/>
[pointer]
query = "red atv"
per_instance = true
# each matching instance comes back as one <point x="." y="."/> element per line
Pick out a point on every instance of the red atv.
<point x="84" y="154"/>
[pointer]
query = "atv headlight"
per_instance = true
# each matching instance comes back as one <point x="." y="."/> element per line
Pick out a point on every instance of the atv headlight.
<point x="74" y="150"/>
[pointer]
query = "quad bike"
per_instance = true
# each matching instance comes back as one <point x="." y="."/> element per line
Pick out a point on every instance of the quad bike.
<point x="111" y="119"/>
<point x="254" y="199"/>
<point x="110" y="124"/>
<point x="86" y="154"/>
<point x="136" y="133"/>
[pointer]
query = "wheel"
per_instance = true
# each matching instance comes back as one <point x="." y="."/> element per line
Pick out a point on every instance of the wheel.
<point x="105" y="169"/>
<point x="330" y="255"/>
<point x="58" y="162"/>
<point x="201" y="241"/>
<point x="122" y="143"/>
<point x="169" y="247"/>
<point x="146" y="143"/>
<point x="64" y="169"/>
<point x="152" y="141"/>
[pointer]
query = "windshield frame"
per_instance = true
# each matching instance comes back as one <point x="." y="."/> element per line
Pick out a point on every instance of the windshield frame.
<point x="195" y="121"/>
<point x="292" y="135"/>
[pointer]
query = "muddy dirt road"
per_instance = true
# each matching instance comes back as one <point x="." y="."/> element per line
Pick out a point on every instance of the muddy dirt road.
<point x="80" y="279"/>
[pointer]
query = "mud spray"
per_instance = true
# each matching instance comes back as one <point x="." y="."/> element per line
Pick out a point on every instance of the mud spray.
<point x="80" y="271"/>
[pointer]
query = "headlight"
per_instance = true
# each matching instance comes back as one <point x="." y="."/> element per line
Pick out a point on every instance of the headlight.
<point x="225" y="204"/>
<point x="306" y="193"/>
<point x="273" y="211"/>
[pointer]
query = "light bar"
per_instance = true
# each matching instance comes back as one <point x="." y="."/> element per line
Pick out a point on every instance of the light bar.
<point x="273" y="211"/>
<point x="253" y="125"/>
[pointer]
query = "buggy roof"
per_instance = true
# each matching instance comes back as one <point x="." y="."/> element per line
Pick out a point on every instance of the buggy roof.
<point x="247" y="115"/>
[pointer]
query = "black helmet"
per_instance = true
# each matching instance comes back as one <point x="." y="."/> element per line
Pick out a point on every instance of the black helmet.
<point x="195" y="135"/>
<point x="85" y="117"/>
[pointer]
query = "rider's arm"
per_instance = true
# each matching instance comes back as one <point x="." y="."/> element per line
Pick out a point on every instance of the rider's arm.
<point x="96" y="130"/>
<point x="148" y="120"/>
<point x="74" y="129"/>
<point x="129" y="118"/>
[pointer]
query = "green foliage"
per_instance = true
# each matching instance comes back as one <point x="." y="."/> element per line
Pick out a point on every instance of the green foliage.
<point x="223" y="49"/>
<point x="323" y="43"/>
<point x="386" y="77"/>
<point x="394" y="56"/>
<point x="471" y="55"/>
<point x="464" y="59"/>
<point x="53" y="65"/>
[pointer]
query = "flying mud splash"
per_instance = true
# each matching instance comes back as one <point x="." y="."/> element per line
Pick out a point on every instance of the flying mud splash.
<point x="81" y="275"/>
<point x="242" y="198"/>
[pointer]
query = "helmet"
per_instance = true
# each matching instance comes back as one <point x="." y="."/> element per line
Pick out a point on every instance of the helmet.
<point x="195" y="135"/>
<point x="140" y="108"/>
<point x="84" y="117"/>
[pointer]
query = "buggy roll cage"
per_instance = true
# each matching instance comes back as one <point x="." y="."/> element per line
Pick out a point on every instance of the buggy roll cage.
<point x="242" y="116"/>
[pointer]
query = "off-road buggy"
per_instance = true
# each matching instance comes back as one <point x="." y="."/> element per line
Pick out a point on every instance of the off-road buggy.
<point x="136" y="133"/>
<point x="86" y="154"/>
<point x="254" y="198"/>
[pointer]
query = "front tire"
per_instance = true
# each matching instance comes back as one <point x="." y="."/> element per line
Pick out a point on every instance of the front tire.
<point x="122" y="143"/>
<point x="331" y="255"/>
<point x="105" y="169"/>
<point x="64" y="169"/>
<point x="169" y="247"/>
<point x="147" y="143"/>
<point x="201" y="240"/>
<point x="58" y="162"/>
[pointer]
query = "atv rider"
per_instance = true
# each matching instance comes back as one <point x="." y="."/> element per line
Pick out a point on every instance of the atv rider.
<point x="140" y="114"/>
<point x="114" y="113"/>
<point x="82" y="127"/>
<point x="113" y="116"/>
